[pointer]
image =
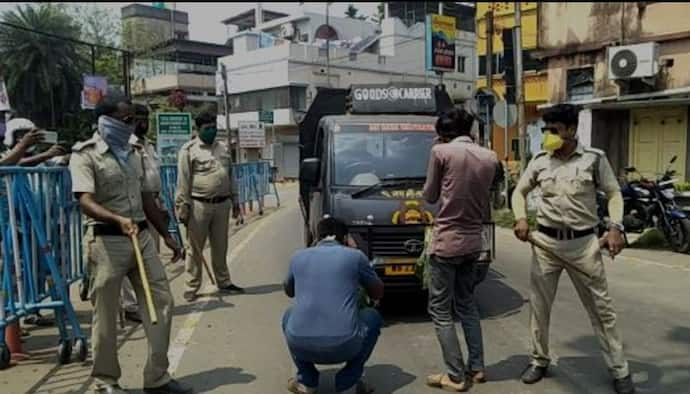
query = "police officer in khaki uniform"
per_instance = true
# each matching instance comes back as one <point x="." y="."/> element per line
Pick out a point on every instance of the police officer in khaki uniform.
<point x="109" y="178"/>
<point x="205" y="195"/>
<point x="128" y="299"/>
<point x="569" y="175"/>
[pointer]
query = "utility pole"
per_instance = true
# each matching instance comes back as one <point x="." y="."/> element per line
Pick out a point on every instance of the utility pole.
<point x="172" y="22"/>
<point x="328" y="47"/>
<point x="489" y="18"/>
<point x="226" y="107"/>
<point x="519" y="91"/>
<point x="489" y="48"/>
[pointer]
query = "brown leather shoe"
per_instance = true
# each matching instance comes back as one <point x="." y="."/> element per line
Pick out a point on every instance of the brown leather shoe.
<point x="443" y="382"/>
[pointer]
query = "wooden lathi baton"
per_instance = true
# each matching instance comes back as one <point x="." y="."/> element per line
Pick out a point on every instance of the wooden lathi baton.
<point x="144" y="279"/>
<point x="200" y="253"/>
<point x="538" y="244"/>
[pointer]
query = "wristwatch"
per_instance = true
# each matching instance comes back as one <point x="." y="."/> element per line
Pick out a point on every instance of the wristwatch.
<point x="617" y="226"/>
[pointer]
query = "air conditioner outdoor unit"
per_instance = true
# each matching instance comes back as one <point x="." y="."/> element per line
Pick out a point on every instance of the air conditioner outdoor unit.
<point x="287" y="31"/>
<point x="633" y="61"/>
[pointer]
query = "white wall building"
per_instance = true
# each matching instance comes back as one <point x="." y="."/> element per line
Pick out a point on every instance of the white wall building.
<point x="280" y="65"/>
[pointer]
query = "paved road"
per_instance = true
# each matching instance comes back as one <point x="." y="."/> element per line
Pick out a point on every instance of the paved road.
<point x="234" y="344"/>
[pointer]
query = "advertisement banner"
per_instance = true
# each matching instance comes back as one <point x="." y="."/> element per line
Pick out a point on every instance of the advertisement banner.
<point x="4" y="98"/>
<point x="95" y="87"/>
<point x="174" y="130"/>
<point x="440" y="42"/>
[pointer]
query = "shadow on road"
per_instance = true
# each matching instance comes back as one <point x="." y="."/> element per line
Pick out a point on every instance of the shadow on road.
<point x="648" y="377"/>
<point x="264" y="289"/>
<point x="217" y="378"/>
<point x="385" y="378"/>
<point x="217" y="302"/>
<point x="497" y="299"/>
<point x="508" y="369"/>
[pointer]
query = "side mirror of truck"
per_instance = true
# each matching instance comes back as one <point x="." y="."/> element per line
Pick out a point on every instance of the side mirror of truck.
<point x="309" y="171"/>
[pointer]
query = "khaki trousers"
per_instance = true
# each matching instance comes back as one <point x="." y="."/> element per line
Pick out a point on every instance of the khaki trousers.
<point x="212" y="222"/>
<point x="111" y="259"/>
<point x="128" y="297"/>
<point x="586" y="270"/>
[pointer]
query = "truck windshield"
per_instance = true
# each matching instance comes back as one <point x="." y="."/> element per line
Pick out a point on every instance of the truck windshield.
<point x="366" y="158"/>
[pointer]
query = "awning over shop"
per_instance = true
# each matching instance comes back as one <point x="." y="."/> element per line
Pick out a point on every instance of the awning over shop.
<point x="669" y="97"/>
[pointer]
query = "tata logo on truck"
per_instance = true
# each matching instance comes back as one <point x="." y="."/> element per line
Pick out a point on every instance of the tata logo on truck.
<point x="392" y="94"/>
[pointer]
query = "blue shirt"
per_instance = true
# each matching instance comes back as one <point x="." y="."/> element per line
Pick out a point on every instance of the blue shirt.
<point x="326" y="280"/>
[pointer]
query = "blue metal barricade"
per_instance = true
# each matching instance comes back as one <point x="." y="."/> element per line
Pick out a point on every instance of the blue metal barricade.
<point x="168" y="183"/>
<point x="40" y="230"/>
<point x="253" y="182"/>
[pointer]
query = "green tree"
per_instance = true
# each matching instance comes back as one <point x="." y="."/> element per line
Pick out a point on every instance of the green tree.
<point x="353" y="12"/>
<point x="42" y="72"/>
<point x="100" y="25"/>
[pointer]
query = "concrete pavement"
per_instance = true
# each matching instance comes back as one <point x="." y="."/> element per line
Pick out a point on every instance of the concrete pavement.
<point x="233" y="344"/>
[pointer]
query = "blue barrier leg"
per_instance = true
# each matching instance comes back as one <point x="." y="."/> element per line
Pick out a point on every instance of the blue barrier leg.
<point x="59" y="284"/>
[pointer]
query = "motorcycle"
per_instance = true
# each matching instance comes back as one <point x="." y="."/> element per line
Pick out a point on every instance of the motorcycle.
<point x="649" y="204"/>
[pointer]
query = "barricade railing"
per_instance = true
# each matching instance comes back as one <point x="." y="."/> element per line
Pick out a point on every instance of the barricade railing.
<point x="253" y="180"/>
<point x="41" y="252"/>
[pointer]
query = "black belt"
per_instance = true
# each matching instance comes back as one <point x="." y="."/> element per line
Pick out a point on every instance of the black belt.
<point x="564" y="234"/>
<point x="214" y="200"/>
<point x="111" y="229"/>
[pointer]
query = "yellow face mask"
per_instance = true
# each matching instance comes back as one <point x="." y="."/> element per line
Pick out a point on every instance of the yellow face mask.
<point x="552" y="142"/>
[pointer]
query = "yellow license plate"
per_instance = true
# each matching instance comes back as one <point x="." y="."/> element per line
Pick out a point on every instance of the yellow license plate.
<point x="399" y="269"/>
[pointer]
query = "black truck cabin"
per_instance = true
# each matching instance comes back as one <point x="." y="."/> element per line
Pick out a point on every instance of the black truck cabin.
<point x="364" y="156"/>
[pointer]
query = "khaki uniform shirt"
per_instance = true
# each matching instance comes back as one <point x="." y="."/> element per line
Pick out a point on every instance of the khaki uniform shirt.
<point x="204" y="171"/>
<point x="153" y="177"/>
<point x="569" y="187"/>
<point x="115" y="187"/>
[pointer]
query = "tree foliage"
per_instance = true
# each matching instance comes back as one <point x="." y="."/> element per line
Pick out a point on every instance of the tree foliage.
<point x="101" y="26"/>
<point x="42" y="73"/>
<point x="353" y="12"/>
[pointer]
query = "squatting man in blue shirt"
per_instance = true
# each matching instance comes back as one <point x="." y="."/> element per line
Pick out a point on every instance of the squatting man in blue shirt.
<point x="324" y="326"/>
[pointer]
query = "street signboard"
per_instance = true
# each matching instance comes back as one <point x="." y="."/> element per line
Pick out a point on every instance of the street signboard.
<point x="174" y="130"/>
<point x="405" y="97"/>
<point x="252" y="134"/>
<point x="440" y="42"/>
<point x="505" y="116"/>
<point x="266" y="116"/>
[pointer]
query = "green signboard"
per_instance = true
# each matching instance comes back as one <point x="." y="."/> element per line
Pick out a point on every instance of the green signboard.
<point x="266" y="116"/>
<point x="174" y="130"/>
<point x="174" y="123"/>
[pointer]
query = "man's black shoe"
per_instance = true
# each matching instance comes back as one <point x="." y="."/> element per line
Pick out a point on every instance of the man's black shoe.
<point x="172" y="387"/>
<point x="232" y="289"/>
<point x="624" y="385"/>
<point x="533" y="374"/>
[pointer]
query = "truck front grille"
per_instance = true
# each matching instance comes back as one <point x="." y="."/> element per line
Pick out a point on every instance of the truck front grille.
<point x="390" y="241"/>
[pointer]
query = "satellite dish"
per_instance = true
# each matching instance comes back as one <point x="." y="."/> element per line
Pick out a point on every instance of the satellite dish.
<point x="624" y="63"/>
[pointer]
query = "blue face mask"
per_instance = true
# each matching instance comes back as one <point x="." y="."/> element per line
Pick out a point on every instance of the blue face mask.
<point x="116" y="135"/>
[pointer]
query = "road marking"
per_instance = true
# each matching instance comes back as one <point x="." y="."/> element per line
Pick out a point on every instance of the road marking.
<point x="185" y="333"/>
<point x="654" y="263"/>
